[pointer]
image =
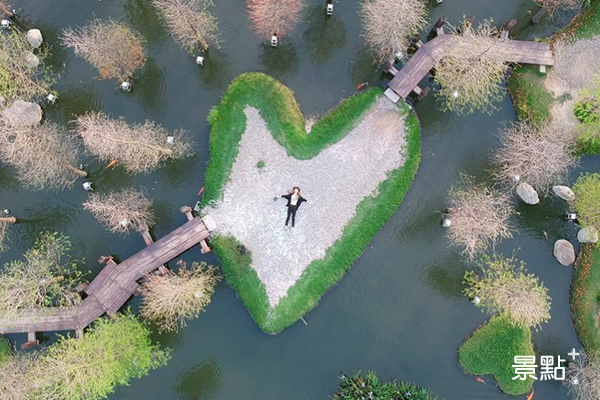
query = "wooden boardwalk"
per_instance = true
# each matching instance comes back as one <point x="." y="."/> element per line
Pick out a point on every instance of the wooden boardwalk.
<point x="430" y="53"/>
<point x="113" y="286"/>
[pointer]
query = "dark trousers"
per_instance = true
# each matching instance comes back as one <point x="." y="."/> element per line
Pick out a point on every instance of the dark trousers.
<point x="291" y="213"/>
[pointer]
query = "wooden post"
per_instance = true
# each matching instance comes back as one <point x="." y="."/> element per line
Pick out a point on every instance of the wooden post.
<point x="204" y="247"/>
<point x="31" y="341"/>
<point x="146" y="236"/>
<point x="439" y="26"/>
<point x="187" y="210"/>
<point x="78" y="333"/>
<point x="536" y="18"/>
<point x="507" y="27"/>
<point x="8" y="220"/>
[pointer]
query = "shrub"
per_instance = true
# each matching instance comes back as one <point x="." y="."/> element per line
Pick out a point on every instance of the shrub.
<point x="270" y="17"/>
<point x="44" y="278"/>
<point x="586" y="370"/>
<point x="587" y="199"/>
<point x="479" y="215"/>
<point x="21" y="76"/>
<point x="505" y="288"/>
<point x="359" y="387"/>
<point x="172" y="298"/>
<point x="111" y="353"/>
<point x="587" y="111"/>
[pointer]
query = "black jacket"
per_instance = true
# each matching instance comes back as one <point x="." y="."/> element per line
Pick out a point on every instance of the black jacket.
<point x="289" y="201"/>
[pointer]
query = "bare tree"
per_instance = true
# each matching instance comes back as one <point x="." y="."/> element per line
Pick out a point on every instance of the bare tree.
<point x="5" y="222"/>
<point x="110" y="46"/>
<point x="389" y="25"/>
<point x="121" y="211"/>
<point x="23" y="73"/>
<point x="471" y="76"/>
<point x="480" y="217"/>
<point x="190" y="22"/>
<point x="540" y="156"/>
<point x="584" y="376"/>
<point x="5" y="8"/>
<point x="172" y="298"/>
<point x="504" y="287"/>
<point x="549" y="6"/>
<point x="44" y="278"/>
<point x="270" y="17"/>
<point x="139" y="148"/>
<point x="44" y="156"/>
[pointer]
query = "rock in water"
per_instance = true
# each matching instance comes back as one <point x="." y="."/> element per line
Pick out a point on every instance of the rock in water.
<point x="23" y="113"/>
<point x="564" y="252"/>
<point x="588" y="235"/>
<point x="527" y="193"/>
<point x="31" y="59"/>
<point x="564" y="192"/>
<point x="34" y="37"/>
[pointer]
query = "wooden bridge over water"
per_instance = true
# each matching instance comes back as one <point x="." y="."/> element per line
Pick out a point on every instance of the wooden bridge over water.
<point x="407" y="79"/>
<point x="115" y="284"/>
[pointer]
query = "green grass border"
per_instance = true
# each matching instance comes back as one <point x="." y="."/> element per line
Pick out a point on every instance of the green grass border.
<point x="585" y="300"/>
<point x="279" y="108"/>
<point x="490" y="350"/>
<point x="4" y="349"/>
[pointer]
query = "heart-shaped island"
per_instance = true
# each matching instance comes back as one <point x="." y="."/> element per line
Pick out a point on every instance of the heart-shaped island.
<point x="354" y="166"/>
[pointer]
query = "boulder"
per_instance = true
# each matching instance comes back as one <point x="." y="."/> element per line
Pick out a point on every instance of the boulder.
<point x="588" y="235"/>
<point x="34" y="37"/>
<point x="564" y="252"/>
<point x="30" y="59"/>
<point x="23" y="113"/>
<point x="564" y="192"/>
<point x="527" y="193"/>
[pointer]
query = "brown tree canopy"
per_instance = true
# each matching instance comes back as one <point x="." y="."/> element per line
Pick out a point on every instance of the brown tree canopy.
<point x="138" y="148"/>
<point x="274" y="16"/>
<point x="44" y="156"/>
<point x="190" y="22"/>
<point x="539" y="156"/>
<point x="471" y="77"/>
<point x="389" y="25"/>
<point x="172" y="298"/>
<point x="23" y="74"/>
<point x="584" y="376"/>
<point x="110" y="46"/>
<point x="121" y="211"/>
<point x="480" y="217"/>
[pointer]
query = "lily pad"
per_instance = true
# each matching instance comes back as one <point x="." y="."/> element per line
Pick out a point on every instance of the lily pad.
<point x="255" y="93"/>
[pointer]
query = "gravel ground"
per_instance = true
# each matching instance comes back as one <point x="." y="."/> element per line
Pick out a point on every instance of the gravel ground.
<point x="576" y="64"/>
<point x="335" y="181"/>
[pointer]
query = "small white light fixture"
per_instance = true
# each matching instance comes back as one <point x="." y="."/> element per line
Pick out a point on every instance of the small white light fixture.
<point x="398" y="56"/>
<point x="571" y="216"/>
<point x="516" y="178"/>
<point x="455" y="94"/>
<point x="476" y="300"/>
<point x="330" y="9"/>
<point x="274" y="40"/>
<point x="200" y="61"/>
<point x="5" y="23"/>
<point x="575" y="380"/>
<point x="170" y="139"/>
<point x="124" y="223"/>
<point x="126" y="86"/>
<point x="198" y="294"/>
<point x="446" y="222"/>
<point x="439" y="1"/>
<point x="88" y="186"/>
<point x="51" y="98"/>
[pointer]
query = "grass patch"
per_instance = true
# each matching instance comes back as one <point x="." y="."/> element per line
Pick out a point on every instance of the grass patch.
<point x="584" y="26"/>
<point x="530" y="97"/>
<point x="4" y="349"/>
<point x="585" y="300"/>
<point x="490" y="350"/>
<point x="279" y="108"/>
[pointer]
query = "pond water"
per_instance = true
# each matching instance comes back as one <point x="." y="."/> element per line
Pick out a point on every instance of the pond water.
<point x="399" y="310"/>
